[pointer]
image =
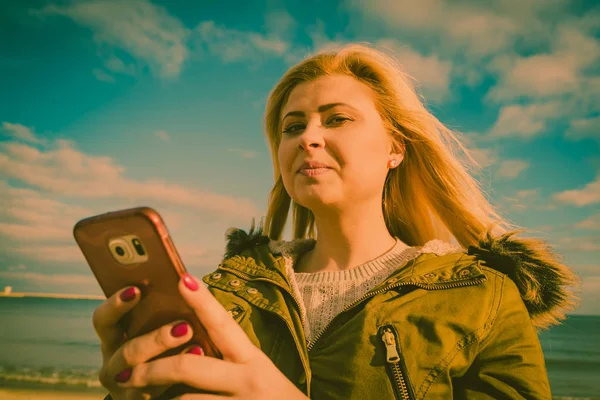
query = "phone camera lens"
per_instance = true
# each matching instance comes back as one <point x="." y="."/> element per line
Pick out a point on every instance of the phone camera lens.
<point x="138" y="247"/>
<point x="119" y="250"/>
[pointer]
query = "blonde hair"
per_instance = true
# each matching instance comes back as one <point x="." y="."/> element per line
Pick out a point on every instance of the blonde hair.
<point x="430" y="195"/>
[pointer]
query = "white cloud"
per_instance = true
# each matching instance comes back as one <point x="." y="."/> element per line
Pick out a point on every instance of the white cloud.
<point x="555" y="46"/>
<point x="510" y="169"/>
<point x="522" y="199"/>
<point x="545" y="228"/>
<point x="483" y="156"/>
<point x="195" y="256"/>
<point x="536" y="76"/>
<point x="475" y="29"/>
<point x="590" y="296"/>
<point x="481" y="32"/>
<point x="527" y="193"/>
<point x="101" y="75"/>
<point x="31" y="206"/>
<point x="558" y="72"/>
<point x="30" y="218"/>
<point x="524" y="121"/>
<point x="584" y="128"/>
<point x="590" y="194"/>
<point x="60" y="253"/>
<point x="321" y="42"/>
<point x="232" y="45"/>
<point x="51" y="283"/>
<point x="584" y="243"/>
<point x="39" y="278"/>
<point x="33" y="233"/>
<point x="587" y="270"/>
<point x="19" y="267"/>
<point x="36" y="221"/>
<point x="67" y="172"/>
<point x="432" y="74"/>
<point x="144" y="30"/>
<point x="21" y="132"/>
<point x="280" y="23"/>
<point x="163" y="135"/>
<point x="115" y="64"/>
<point x="591" y="223"/>
<point x="245" y="153"/>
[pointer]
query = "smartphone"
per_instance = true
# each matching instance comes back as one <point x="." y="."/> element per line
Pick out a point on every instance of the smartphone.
<point x="133" y="247"/>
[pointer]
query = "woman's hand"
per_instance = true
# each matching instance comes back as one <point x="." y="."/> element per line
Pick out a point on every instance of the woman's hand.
<point x="245" y="372"/>
<point x="119" y="354"/>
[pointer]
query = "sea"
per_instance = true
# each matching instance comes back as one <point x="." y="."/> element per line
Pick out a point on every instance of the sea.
<point x="50" y="342"/>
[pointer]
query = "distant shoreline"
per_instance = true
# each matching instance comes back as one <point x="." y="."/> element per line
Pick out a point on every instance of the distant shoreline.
<point x="99" y="297"/>
<point x="53" y="295"/>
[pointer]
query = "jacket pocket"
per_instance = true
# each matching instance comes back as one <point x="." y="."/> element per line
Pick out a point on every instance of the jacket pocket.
<point x="395" y="364"/>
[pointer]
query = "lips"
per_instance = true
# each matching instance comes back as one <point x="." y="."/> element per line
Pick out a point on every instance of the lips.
<point x="312" y="165"/>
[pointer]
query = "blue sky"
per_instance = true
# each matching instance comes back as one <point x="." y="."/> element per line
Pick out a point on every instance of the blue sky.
<point x="110" y="104"/>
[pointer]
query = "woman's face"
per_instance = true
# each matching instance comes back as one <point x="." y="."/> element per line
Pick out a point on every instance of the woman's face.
<point x="333" y="121"/>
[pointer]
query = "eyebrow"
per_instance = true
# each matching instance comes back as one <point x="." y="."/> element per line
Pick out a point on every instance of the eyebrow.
<point x="322" y="108"/>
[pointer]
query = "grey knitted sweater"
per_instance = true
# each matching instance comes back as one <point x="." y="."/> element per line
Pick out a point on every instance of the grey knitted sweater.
<point x="323" y="295"/>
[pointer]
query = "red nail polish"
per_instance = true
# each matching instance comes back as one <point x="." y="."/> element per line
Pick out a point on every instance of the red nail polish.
<point x="196" y="350"/>
<point x="190" y="282"/>
<point x="180" y="329"/>
<point x="123" y="376"/>
<point x="128" y="294"/>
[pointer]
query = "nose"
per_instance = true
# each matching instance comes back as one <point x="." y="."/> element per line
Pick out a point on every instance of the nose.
<point x="312" y="136"/>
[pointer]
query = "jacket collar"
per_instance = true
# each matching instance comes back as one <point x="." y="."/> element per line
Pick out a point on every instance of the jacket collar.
<point x="543" y="283"/>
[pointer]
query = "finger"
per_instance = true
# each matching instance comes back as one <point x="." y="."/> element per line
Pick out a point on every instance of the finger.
<point x="107" y="316"/>
<point x="142" y="348"/>
<point x="225" y="333"/>
<point x="205" y="373"/>
<point x="193" y="349"/>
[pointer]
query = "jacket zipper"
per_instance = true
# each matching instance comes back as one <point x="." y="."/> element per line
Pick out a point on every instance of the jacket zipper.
<point x="376" y="292"/>
<point x="393" y="360"/>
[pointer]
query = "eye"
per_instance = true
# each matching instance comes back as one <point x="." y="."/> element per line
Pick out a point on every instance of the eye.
<point x="338" y="119"/>
<point x="291" y="128"/>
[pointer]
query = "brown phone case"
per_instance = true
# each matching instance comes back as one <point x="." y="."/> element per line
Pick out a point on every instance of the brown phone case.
<point x="157" y="277"/>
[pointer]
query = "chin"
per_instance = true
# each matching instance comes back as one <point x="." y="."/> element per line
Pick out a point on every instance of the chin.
<point x="316" y="200"/>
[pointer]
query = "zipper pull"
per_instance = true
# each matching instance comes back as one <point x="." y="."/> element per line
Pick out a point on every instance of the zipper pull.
<point x="389" y="339"/>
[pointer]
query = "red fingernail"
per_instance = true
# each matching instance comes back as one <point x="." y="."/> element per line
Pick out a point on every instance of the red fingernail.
<point x="128" y="294"/>
<point x="180" y="329"/>
<point x="123" y="376"/>
<point x="196" y="350"/>
<point x="190" y="282"/>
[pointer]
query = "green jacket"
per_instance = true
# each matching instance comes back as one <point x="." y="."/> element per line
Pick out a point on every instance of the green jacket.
<point x="459" y="325"/>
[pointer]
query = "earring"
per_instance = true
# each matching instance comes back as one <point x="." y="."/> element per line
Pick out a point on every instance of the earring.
<point x="393" y="163"/>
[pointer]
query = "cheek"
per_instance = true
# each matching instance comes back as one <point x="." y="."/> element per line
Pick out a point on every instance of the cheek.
<point x="285" y="157"/>
<point x="363" y="160"/>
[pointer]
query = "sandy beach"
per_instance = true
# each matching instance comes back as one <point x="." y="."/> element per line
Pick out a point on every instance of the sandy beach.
<point x="34" y="394"/>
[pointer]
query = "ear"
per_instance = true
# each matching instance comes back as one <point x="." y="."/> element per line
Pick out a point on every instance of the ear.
<point x="396" y="155"/>
<point x="395" y="160"/>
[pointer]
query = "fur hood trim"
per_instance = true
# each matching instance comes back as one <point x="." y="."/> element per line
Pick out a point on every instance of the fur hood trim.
<point x="238" y="240"/>
<point x="544" y="282"/>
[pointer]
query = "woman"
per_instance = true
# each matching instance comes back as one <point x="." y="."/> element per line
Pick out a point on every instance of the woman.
<point x="380" y="305"/>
